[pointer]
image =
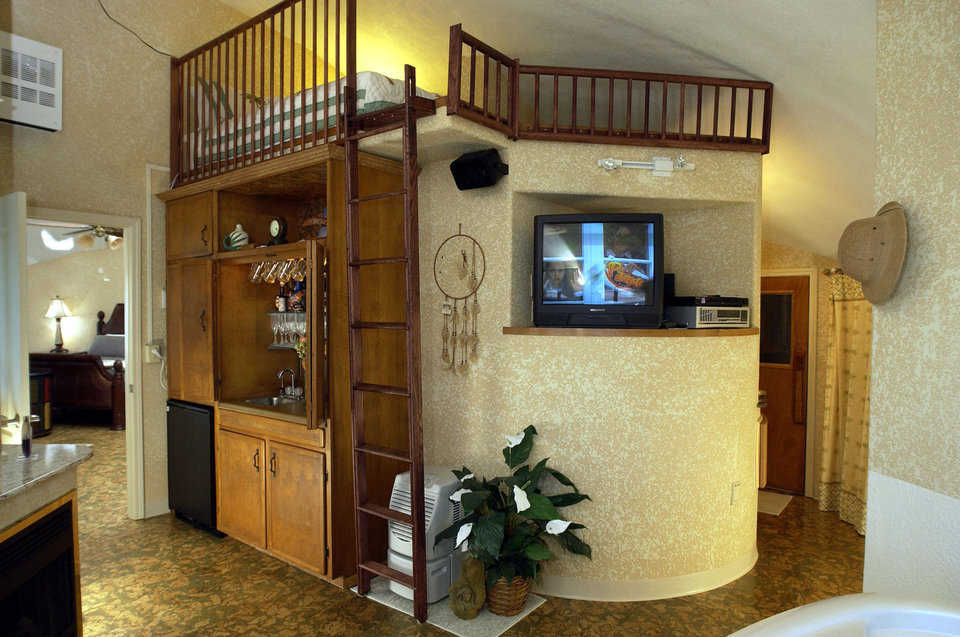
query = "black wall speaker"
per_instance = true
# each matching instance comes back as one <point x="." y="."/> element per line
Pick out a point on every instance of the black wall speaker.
<point x="478" y="170"/>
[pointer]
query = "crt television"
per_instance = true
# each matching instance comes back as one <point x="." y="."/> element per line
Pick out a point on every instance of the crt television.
<point x="598" y="270"/>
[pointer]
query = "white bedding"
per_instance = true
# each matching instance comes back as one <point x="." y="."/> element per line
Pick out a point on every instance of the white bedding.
<point x="374" y="92"/>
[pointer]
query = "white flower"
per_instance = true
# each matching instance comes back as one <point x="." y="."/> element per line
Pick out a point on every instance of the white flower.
<point x="521" y="497"/>
<point x="513" y="441"/>
<point x="456" y="495"/>
<point x="463" y="534"/>
<point x="556" y="527"/>
<point x="466" y="477"/>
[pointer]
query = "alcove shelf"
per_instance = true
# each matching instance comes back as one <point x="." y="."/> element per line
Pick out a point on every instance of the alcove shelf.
<point x="636" y="333"/>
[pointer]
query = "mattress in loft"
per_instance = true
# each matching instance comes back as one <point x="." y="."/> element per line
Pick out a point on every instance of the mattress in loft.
<point x="374" y="92"/>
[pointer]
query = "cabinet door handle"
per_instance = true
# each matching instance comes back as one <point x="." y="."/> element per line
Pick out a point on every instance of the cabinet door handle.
<point x="256" y="460"/>
<point x="203" y="235"/>
<point x="203" y="320"/>
<point x="273" y="463"/>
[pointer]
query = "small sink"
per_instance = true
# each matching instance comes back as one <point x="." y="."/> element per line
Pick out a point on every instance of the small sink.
<point x="272" y="401"/>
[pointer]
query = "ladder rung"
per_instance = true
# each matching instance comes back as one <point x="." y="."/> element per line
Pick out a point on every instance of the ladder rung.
<point x="382" y="195"/>
<point x="384" y="452"/>
<point x="373" y="325"/>
<point x="356" y="263"/>
<point x="378" y="568"/>
<point x="384" y="513"/>
<point x="382" y="389"/>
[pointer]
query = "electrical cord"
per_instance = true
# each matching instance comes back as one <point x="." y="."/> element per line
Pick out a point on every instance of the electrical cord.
<point x="135" y="34"/>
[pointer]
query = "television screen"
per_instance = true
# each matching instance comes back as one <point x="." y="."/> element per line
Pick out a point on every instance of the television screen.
<point x="607" y="263"/>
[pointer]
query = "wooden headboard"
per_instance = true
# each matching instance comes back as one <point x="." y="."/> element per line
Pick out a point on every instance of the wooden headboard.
<point x="114" y="325"/>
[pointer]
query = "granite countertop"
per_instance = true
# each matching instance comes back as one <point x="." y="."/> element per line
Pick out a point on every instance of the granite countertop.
<point x="18" y="473"/>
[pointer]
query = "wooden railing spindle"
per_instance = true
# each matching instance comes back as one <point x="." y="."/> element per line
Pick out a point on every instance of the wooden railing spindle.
<point x="536" y="102"/>
<point x="556" y="101"/>
<point x="683" y="99"/>
<point x="337" y="70"/>
<point x="699" y="105"/>
<point x="629" y="124"/>
<point x="646" y="108"/>
<point x="313" y="93"/>
<point x="716" y="110"/>
<point x="272" y="110"/>
<point x="749" y="114"/>
<point x="593" y="105"/>
<point x="499" y="82"/>
<point x="473" y="78"/>
<point x="486" y="83"/>
<point x="733" y="112"/>
<point x="663" y="113"/>
<point x="573" y="106"/>
<point x="610" y="109"/>
<point x="303" y="74"/>
<point x="195" y="119"/>
<point x="236" y="101"/>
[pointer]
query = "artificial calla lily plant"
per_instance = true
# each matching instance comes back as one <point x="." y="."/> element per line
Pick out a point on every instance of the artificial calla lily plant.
<point x="507" y="520"/>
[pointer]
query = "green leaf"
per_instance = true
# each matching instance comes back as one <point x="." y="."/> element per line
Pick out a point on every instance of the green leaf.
<point x="568" y="499"/>
<point x="451" y="531"/>
<point x="461" y="473"/>
<point x="534" y="476"/>
<point x="515" y="544"/>
<point x="562" y="479"/>
<point x="536" y="550"/>
<point x="487" y="537"/>
<point x="574" y="544"/>
<point x="518" y="454"/>
<point x="508" y="570"/>
<point x="540" y="508"/>
<point x="470" y="501"/>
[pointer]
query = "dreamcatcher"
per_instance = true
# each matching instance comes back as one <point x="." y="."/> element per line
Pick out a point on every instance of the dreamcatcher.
<point x="458" y="269"/>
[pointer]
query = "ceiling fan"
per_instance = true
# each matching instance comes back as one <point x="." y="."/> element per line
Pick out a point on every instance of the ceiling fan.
<point x="98" y="231"/>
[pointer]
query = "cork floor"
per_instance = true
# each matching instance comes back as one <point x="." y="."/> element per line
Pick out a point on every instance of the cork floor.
<point x="162" y="576"/>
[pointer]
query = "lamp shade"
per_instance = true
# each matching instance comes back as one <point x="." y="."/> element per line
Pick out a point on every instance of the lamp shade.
<point x="57" y="309"/>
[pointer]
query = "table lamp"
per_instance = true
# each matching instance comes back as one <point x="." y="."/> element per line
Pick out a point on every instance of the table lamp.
<point x="58" y="310"/>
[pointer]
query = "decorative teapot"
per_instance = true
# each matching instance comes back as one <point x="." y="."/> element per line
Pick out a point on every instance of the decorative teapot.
<point x="236" y="239"/>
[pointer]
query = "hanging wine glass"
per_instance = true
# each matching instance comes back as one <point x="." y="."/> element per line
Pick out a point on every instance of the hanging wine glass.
<point x="271" y="275"/>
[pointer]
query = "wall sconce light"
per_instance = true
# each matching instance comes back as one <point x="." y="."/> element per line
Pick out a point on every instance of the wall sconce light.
<point x="58" y="310"/>
<point x="660" y="166"/>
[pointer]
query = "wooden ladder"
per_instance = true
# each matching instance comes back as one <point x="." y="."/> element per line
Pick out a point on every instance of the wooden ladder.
<point x="403" y="116"/>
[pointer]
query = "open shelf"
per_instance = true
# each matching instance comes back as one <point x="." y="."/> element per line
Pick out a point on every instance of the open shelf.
<point x="266" y="253"/>
<point x="641" y="333"/>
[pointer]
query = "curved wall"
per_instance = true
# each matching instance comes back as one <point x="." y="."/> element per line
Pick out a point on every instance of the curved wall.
<point x="656" y="430"/>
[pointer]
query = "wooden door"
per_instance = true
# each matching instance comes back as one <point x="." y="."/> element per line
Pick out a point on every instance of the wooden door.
<point x="241" y="478"/>
<point x="190" y="229"/>
<point x="175" y="330"/>
<point x="296" y="508"/>
<point x="196" y="331"/>
<point x="784" y="326"/>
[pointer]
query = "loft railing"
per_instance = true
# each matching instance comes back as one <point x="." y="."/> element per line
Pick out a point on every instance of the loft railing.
<point x="495" y="80"/>
<point x="254" y="93"/>
<point x="604" y="106"/>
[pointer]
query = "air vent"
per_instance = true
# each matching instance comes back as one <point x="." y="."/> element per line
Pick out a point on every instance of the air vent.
<point x="31" y="82"/>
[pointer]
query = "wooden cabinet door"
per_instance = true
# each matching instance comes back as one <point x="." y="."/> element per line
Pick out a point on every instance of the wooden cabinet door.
<point x="190" y="231"/>
<point x="196" y="331"/>
<point x="175" y="330"/>
<point x="241" y="478"/>
<point x="296" y="509"/>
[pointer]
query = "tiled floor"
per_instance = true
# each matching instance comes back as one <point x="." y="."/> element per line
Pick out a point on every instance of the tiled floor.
<point x="161" y="576"/>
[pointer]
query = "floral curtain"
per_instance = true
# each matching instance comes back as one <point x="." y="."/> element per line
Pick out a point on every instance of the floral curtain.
<point x="842" y="483"/>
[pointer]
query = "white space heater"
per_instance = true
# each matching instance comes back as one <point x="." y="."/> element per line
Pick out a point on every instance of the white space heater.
<point x="443" y="562"/>
<point x="31" y="82"/>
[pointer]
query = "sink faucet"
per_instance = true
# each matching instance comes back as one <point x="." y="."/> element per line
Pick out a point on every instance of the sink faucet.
<point x="293" y="380"/>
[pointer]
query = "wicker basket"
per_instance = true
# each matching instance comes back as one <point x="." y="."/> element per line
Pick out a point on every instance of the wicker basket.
<point x="508" y="598"/>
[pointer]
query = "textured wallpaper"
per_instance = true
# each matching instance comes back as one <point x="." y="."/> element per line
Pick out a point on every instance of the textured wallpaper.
<point x="116" y="120"/>
<point x="654" y="429"/>
<point x="915" y="432"/>
<point x="88" y="282"/>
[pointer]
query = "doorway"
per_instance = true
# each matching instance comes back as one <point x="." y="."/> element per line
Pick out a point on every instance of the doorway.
<point x="784" y="361"/>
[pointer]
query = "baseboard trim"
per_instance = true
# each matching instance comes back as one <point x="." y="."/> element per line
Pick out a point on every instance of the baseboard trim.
<point x="647" y="589"/>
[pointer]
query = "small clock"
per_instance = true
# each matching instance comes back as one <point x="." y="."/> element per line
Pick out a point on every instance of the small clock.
<point x="278" y="231"/>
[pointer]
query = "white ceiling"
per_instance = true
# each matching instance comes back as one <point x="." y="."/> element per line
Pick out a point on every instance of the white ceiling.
<point x="820" y="55"/>
<point x="37" y="251"/>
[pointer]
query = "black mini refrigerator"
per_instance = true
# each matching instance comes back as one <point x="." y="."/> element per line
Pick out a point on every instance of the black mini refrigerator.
<point x="190" y="464"/>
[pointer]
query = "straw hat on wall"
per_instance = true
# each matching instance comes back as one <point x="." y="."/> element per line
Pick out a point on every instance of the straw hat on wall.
<point x="872" y="251"/>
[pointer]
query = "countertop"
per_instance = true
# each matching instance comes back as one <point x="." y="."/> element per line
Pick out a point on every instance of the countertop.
<point x="47" y="460"/>
<point x="291" y="412"/>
